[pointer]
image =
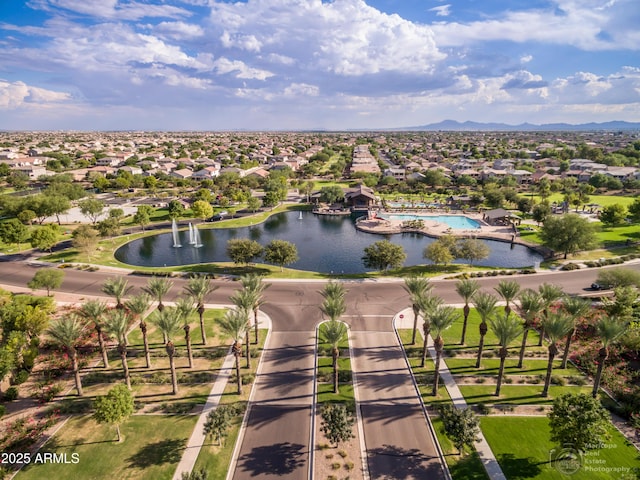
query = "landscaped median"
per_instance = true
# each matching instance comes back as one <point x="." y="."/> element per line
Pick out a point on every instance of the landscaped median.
<point x="343" y="460"/>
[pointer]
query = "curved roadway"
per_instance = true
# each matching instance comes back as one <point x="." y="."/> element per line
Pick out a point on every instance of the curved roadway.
<point x="399" y="442"/>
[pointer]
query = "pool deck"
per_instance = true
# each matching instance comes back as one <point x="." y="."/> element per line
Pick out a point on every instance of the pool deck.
<point x="435" y="228"/>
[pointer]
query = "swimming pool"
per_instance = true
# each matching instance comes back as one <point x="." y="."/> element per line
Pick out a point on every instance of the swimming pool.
<point x="456" y="222"/>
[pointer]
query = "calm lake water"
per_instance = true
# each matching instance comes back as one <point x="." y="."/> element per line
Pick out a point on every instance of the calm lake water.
<point x="325" y="244"/>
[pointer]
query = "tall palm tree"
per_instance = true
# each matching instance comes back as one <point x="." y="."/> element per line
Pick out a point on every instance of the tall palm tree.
<point x="485" y="305"/>
<point x="556" y="325"/>
<point x="116" y="324"/>
<point x="550" y="294"/>
<point x="333" y="333"/>
<point x="416" y="287"/>
<point x="333" y="289"/>
<point x="168" y="321"/>
<point x="244" y="300"/>
<point x="198" y="288"/>
<point x="185" y="306"/>
<point x="466" y="288"/>
<point x="234" y="324"/>
<point x="507" y="329"/>
<point x="66" y="332"/>
<point x="254" y="283"/>
<point x="94" y="311"/>
<point x="117" y="287"/>
<point x="576" y="307"/>
<point x="531" y="304"/>
<point x="138" y="305"/>
<point x="427" y="304"/>
<point x="609" y="330"/>
<point x="157" y="288"/>
<point x="441" y="319"/>
<point x="508" y="290"/>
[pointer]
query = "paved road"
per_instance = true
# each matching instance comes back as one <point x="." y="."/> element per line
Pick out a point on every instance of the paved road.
<point x="276" y="443"/>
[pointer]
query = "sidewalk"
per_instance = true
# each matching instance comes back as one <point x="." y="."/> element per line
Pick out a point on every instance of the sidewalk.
<point x="405" y="320"/>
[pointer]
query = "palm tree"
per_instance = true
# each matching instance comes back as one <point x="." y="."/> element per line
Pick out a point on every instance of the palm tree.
<point x="576" y="307"/>
<point x="234" y="324"/>
<point x="416" y="287"/>
<point x="184" y="306"/>
<point x="441" y="319"/>
<point x="66" y="332"/>
<point x="333" y="290"/>
<point x="550" y="294"/>
<point x="138" y="306"/>
<point x="157" y="288"/>
<point x="507" y="329"/>
<point x="485" y="304"/>
<point x="117" y="287"/>
<point x="466" y="288"/>
<point x="244" y="300"/>
<point x="556" y="325"/>
<point x="198" y="288"/>
<point x="117" y="325"/>
<point x="508" y="290"/>
<point x="531" y="304"/>
<point x="168" y="321"/>
<point x="427" y="304"/>
<point x="254" y="283"/>
<point x="94" y="311"/>
<point x="609" y="330"/>
<point x="333" y="333"/>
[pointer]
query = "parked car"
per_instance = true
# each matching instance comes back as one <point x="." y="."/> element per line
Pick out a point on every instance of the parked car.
<point x="599" y="286"/>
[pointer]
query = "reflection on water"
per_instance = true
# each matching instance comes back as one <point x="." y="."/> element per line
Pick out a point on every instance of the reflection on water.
<point x="325" y="244"/>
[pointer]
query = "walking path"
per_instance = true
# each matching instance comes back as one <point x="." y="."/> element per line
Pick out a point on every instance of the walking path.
<point x="405" y="320"/>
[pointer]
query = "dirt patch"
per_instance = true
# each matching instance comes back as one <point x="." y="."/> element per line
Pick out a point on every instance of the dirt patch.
<point x="340" y="462"/>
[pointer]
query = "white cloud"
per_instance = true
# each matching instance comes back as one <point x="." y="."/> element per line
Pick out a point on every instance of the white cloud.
<point x="224" y="65"/>
<point x="111" y="9"/>
<point x="178" y="30"/>
<point x="346" y="37"/>
<point x="526" y="58"/>
<point x="18" y="94"/>
<point x="441" y="10"/>
<point x="301" y="90"/>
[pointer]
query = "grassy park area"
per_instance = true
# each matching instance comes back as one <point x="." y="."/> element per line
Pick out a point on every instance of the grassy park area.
<point x="532" y="457"/>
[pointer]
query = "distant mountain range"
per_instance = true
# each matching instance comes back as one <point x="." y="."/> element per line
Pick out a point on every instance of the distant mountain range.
<point x="452" y="125"/>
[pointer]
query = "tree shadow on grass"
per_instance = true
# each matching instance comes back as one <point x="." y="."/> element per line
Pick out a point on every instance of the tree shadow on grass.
<point x="519" y="468"/>
<point x="164" y="451"/>
<point x="277" y="459"/>
<point x="469" y="468"/>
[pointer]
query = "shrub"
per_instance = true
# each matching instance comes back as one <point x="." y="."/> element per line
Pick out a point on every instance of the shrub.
<point x="348" y="466"/>
<point x="484" y="409"/>
<point x="570" y="266"/>
<point x="3" y="410"/>
<point x="335" y="466"/>
<point x="480" y="379"/>
<point x="558" y="380"/>
<point x="11" y="394"/>
<point x="20" y="377"/>
<point x="342" y="453"/>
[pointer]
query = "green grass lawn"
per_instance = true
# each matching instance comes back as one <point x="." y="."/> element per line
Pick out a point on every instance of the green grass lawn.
<point x="516" y="394"/>
<point x="468" y="467"/>
<point x="490" y="366"/>
<point x="602" y="200"/>
<point x="531" y="458"/>
<point x="215" y="458"/>
<point x="152" y="448"/>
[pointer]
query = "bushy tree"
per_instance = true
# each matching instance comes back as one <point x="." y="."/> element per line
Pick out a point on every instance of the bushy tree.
<point x="202" y="209"/>
<point x="337" y="423"/>
<point x="461" y="426"/>
<point x="47" y="278"/>
<point x="44" y="238"/>
<point x="14" y="231"/>
<point x="613" y="215"/>
<point x="568" y="233"/>
<point x="114" y="407"/>
<point x="243" y="250"/>
<point x="471" y="249"/>
<point x="384" y="255"/>
<point x="280" y="252"/>
<point x="578" y="420"/>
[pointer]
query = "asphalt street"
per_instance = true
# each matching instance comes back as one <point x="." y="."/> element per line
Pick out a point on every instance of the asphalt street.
<point x="399" y="442"/>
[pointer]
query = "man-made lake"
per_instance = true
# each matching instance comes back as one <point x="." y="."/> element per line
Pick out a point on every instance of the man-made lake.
<point x="325" y="244"/>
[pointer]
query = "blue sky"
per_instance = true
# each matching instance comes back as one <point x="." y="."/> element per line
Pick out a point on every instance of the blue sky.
<point x="312" y="64"/>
